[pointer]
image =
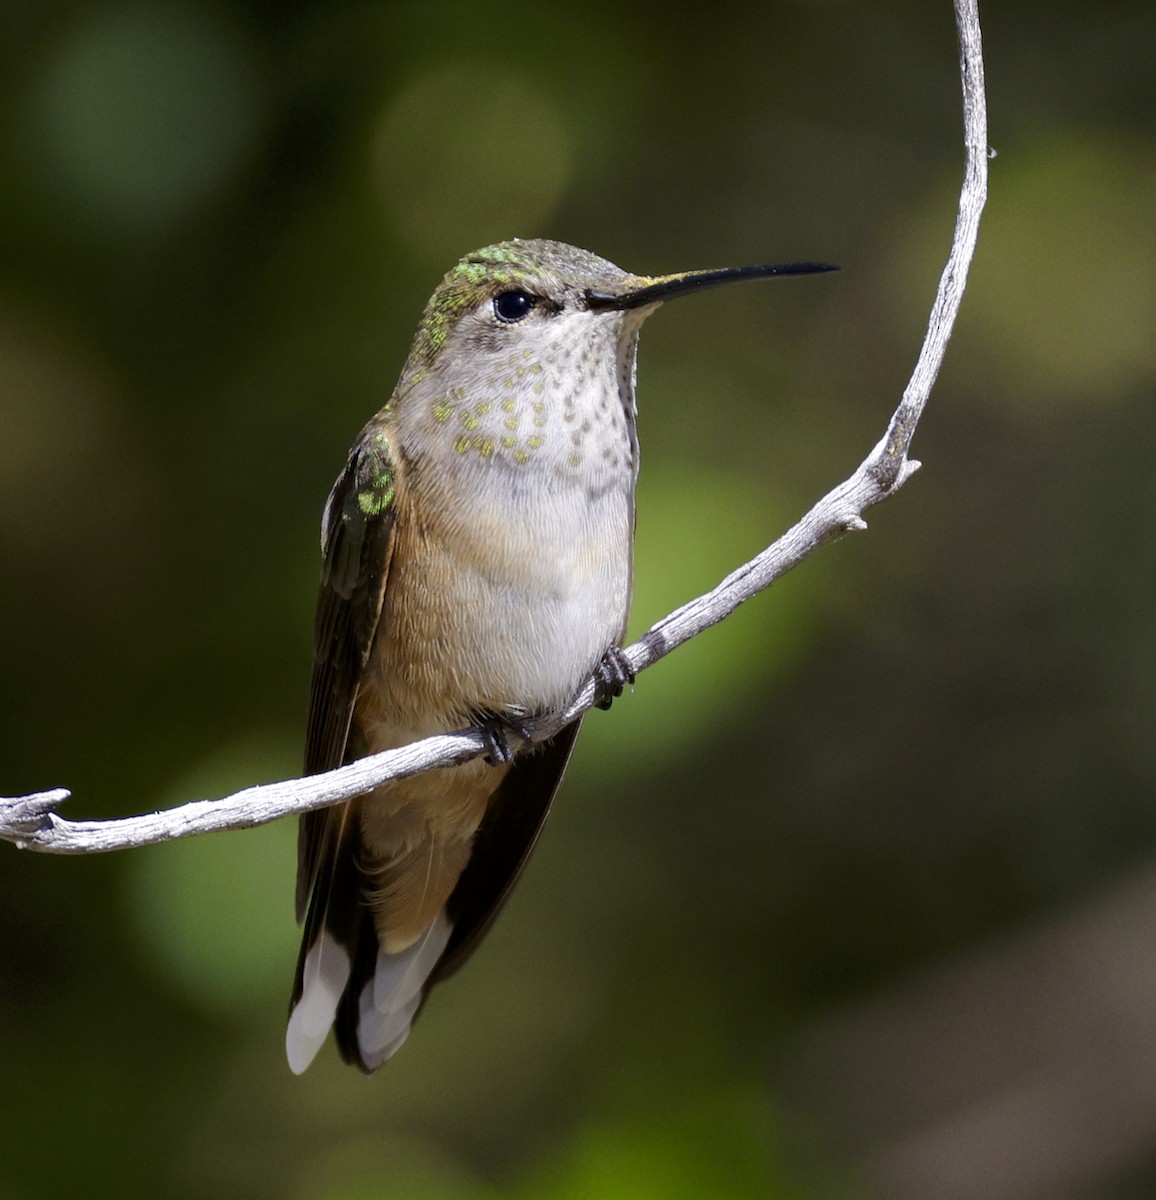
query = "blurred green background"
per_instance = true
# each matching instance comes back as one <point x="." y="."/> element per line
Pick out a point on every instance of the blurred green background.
<point x="855" y="897"/>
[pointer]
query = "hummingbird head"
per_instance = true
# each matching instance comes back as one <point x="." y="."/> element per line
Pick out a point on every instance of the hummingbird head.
<point x="510" y="296"/>
<point x="523" y="340"/>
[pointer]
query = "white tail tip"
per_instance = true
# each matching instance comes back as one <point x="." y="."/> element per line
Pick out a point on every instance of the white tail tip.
<point x="323" y="979"/>
<point x="390" y="1000"/>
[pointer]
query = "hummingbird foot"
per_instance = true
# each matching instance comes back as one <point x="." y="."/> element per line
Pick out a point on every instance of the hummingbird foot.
<point x="612" y="674"/>
<point x="496" y="733"/>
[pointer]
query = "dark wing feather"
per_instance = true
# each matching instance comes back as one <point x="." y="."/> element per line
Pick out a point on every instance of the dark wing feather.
<point x="357" y="540"/>
<point x="504" y="841"/>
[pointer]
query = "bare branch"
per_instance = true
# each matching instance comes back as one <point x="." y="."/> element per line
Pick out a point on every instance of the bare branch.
<point x="31" y="822"/>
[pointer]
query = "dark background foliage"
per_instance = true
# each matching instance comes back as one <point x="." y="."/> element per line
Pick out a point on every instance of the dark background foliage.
<point x="856" y="895"/>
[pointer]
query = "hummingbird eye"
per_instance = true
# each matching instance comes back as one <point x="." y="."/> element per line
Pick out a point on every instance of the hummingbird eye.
<point x="512" y="306"/>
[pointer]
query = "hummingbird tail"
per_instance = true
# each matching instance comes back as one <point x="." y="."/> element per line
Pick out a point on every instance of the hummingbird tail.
<point x="346" y="979"/>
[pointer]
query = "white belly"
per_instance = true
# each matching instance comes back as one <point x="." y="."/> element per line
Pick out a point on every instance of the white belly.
<point x="505" y="608"/>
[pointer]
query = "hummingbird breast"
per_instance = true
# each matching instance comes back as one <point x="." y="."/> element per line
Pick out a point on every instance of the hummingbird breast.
<point x="496" y="604"/>
<point x="515" y="523"/>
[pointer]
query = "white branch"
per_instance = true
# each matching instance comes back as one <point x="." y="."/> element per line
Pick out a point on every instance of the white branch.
<point x="31" y="822"/>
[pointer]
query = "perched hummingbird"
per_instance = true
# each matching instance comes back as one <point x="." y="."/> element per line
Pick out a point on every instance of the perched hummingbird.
<point x="477" y="569"/>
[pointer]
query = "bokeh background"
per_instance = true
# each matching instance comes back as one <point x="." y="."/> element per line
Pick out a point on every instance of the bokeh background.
<point x="855" y="897"/>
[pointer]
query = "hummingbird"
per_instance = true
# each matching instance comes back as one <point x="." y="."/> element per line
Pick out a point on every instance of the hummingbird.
<point x="477" y="562"/>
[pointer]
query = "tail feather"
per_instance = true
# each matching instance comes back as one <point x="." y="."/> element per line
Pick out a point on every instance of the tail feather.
<point x="390" y="1000"/>
<point x="325" y="976"/>
<point x="345" y="979"/>
<point x="334" y="928"/>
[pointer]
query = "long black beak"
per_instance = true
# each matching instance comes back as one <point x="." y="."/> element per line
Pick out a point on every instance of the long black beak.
<point x="666" y="286"/>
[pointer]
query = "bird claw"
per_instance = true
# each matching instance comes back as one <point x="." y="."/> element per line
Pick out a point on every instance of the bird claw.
<point x="496" y="733"/>
<point x="611" y="676"/>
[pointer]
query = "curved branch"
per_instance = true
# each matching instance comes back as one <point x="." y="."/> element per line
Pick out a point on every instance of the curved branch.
<point x="31" y="822"/>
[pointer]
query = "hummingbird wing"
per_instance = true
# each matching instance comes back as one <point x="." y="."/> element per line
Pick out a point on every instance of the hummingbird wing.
<point x="357" y="544"/>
